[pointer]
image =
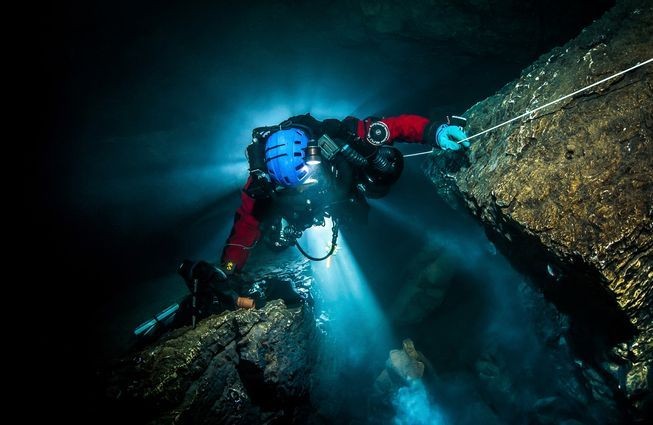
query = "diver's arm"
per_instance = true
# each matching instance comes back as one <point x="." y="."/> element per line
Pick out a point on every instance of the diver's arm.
<point x="411" y="129"/>
<point x="244" y="234"/>
<point x="404" y="128"/>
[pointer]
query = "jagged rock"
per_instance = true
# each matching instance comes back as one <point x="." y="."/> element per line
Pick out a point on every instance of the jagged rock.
<point x="424" y="288"/>
<point x="567" y="193"/>
<point x="401" y="367"/>
<point x="239" y="367"/>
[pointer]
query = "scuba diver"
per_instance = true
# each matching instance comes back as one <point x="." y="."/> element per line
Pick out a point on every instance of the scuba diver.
<point x="304" y="170"/>
<point x="301" y="172"/>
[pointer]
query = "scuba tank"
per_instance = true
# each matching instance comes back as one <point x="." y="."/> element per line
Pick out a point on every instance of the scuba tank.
<point x="309" y="180"/>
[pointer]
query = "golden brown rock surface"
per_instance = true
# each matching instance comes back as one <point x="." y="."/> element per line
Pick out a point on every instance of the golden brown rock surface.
<point x="567" y="193"/>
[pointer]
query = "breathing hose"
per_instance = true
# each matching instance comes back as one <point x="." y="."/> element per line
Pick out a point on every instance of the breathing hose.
<point x="354" y="157"/>
<point x="334" y="243"/>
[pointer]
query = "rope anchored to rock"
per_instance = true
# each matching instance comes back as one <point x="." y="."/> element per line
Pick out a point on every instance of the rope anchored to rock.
<point x="527" y="113"/>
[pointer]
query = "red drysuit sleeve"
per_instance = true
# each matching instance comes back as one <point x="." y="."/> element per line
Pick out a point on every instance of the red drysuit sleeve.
<point x="245" y="233"/>
<point x="406" y="128"/>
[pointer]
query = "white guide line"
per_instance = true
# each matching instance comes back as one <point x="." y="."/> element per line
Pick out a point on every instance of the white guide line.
<point x="543" y="106"/>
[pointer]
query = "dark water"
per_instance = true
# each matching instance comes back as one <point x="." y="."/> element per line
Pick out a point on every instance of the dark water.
<point x="149" y="111"/>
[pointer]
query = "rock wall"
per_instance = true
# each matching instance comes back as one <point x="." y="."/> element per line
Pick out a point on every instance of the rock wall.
<point x="567" y="193"/>
<point x="238" y="367"/>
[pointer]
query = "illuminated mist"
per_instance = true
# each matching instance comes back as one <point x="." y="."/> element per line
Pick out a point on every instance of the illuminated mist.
<point x="351" y="307"/>
<point x="414" y="406"/>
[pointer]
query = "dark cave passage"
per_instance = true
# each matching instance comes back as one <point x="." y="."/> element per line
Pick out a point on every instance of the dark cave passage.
<point x="150" y="110"/>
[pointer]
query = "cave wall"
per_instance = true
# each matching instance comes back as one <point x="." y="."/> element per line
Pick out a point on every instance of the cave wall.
<point x="238" y="367"/>
<point x="567" y="192"/>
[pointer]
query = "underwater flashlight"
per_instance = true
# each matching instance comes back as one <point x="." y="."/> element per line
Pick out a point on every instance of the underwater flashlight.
<point x="246" y="303"/>
<point x="313" y="160"/>
<point x="313" y="156"/>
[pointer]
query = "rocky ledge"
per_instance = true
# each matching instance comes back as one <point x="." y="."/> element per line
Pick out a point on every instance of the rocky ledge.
<point x="238" y="367"/>
<point x="567" y="192"/>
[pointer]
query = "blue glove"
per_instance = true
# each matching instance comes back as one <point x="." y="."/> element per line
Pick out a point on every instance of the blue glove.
<point x="447" y="135"/>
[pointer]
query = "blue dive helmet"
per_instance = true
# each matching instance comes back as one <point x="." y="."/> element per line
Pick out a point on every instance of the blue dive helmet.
<point x="284" y="156"/>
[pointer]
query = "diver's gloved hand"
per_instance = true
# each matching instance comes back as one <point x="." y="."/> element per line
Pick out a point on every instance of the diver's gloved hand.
<point x="447" y="137"/>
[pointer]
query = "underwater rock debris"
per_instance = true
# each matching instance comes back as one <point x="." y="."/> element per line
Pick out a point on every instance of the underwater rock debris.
<point x="425" y="287"/>
<point x="568" y="193"/>
<point x="238" y="367"/>
<point x="402" y="366"/>
<point x="404" y="371"/>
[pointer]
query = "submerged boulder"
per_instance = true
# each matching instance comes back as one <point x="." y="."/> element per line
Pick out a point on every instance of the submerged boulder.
<point x="424" y="287"/>
<point x="404" y="371"/>
<point x="567" y="192"/>
<point x="237" y="367"/>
